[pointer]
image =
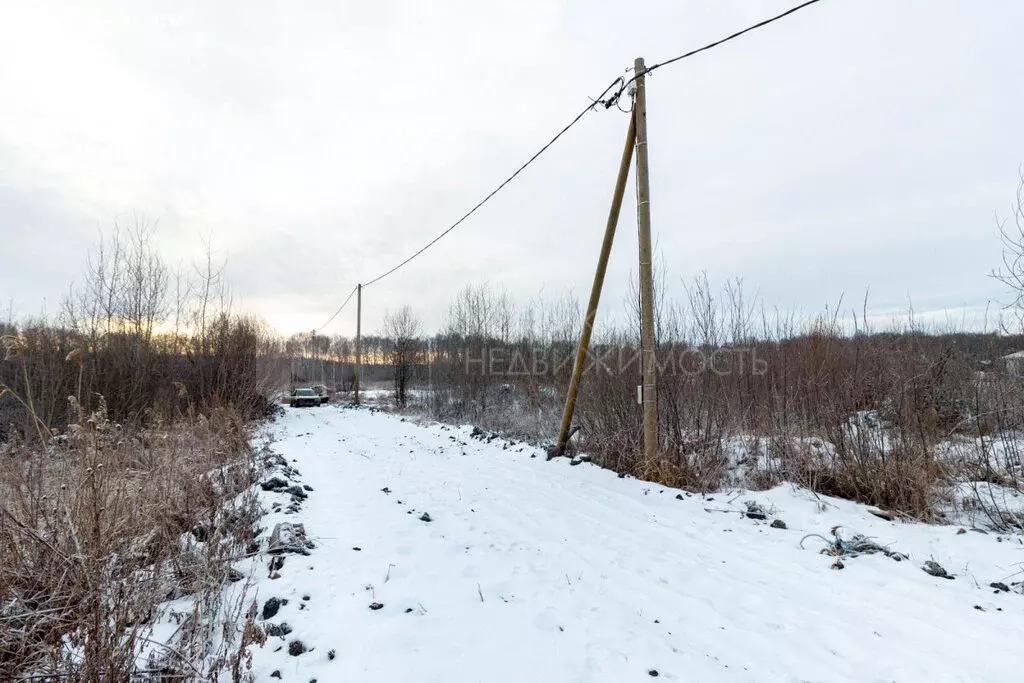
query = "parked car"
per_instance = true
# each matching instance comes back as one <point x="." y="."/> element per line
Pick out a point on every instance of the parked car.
<point x="304" y="397"/>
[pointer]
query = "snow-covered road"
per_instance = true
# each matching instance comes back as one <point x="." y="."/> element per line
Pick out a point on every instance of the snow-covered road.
<point x="540" y="571"/>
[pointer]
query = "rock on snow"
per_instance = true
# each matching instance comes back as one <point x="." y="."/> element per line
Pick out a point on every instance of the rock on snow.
<point x="539" y="571"/>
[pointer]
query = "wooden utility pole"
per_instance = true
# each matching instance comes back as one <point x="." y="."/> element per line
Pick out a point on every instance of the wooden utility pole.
<point x="595" y="291"/>
<point x="649" y="394"/>
<point x="316" y="356"/>
<point x="359" y="342"/>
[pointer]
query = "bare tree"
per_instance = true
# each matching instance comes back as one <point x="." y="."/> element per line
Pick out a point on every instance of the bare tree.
<point x="402" y="328"/>
<point x="211" y="284"/>
<point x="144" y="294"/>
<point x="1011" y="232"/>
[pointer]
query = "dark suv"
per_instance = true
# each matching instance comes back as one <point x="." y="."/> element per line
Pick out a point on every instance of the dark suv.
<point x="304" y="397"/>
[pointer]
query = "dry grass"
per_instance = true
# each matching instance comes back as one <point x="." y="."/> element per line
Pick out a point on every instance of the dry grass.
<point x="100" y="526"/>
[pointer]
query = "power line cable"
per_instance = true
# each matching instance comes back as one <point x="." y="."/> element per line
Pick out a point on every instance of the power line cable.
<point x="337" y="312"/>
<point x="607" y="102"/>
<point x="715" y="44"/>
<point x="499" y="188"/>
<point x="734" y="35"/>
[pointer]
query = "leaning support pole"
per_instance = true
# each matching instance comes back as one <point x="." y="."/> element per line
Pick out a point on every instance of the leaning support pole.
<point x="595" y="291"/>
<point x="359" y="342"/>
<point x="649" y="393"/>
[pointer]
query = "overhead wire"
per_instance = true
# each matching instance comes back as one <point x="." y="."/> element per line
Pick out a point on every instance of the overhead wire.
<point x="720" y="41"/>
<point x="753" y="27"/>
<point x="600" y="100"/>
<point x="337" y="312"/>
<point x="623" y="85"/>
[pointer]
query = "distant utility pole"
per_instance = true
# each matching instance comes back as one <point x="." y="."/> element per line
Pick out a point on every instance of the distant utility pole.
<point x="313" y="364"/>
<point x="359" y="341"/>
<point x="649" y="393"/>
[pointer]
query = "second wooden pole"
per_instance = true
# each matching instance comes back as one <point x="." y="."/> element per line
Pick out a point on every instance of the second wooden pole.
<point x="359" y="342"/>
<point x="595" y="291"/>
<point x="649" y="393"/>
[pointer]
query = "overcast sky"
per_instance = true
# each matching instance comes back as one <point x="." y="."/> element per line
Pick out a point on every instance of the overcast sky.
<point x="856" y="143"/>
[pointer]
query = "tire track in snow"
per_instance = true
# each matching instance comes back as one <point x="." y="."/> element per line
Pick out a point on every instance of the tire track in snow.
<point x="584" y="577"/>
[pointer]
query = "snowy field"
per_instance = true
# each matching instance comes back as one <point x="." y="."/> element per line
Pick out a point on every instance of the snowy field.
<point x="541" y="571"/>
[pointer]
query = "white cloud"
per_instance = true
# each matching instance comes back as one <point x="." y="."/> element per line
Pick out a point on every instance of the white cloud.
<point x="852" y="144"/>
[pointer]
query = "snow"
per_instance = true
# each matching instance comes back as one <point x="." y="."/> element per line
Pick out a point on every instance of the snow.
<point x="987" y="504"/>
<point x="542" y="571"/>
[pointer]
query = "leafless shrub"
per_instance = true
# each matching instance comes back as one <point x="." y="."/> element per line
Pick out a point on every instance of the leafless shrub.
<point x="100" y="526"/>
<point x="112" y="339"/>
<point x="403" y="329"/>
<point x="833" y="405"/>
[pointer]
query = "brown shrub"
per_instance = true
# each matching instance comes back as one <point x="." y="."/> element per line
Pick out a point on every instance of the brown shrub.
<point x="100" y="526"/>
